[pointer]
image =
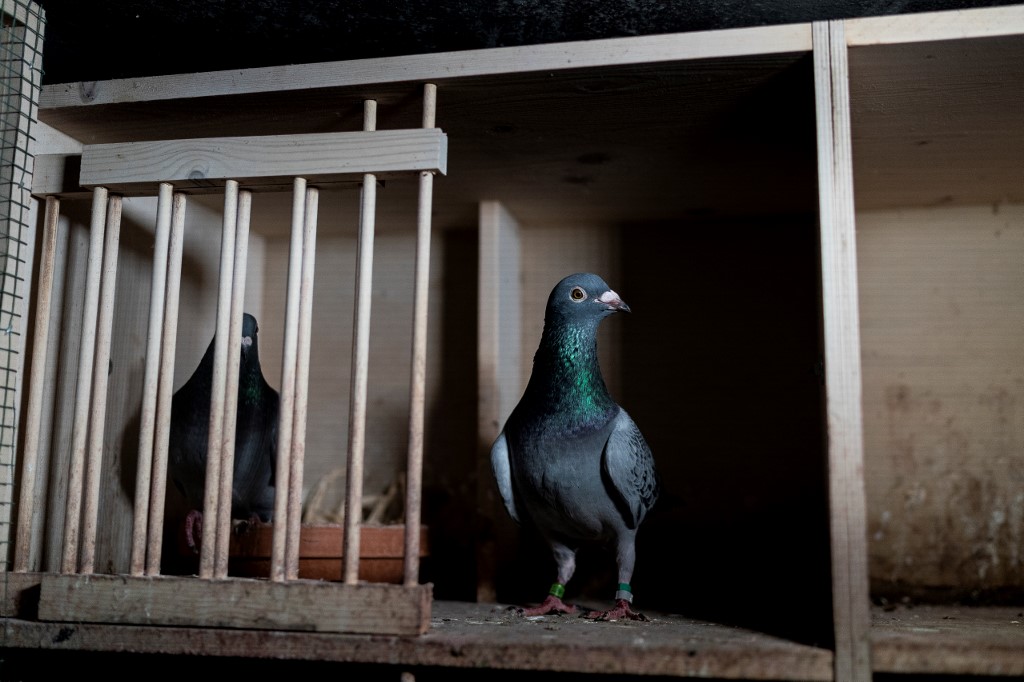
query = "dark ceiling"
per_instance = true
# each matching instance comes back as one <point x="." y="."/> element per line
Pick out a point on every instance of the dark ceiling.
<point x="127" y="38"/>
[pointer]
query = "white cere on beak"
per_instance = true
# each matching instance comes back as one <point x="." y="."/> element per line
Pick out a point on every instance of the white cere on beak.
<point x="246" y="341"/>
<point x="610" y="297"/>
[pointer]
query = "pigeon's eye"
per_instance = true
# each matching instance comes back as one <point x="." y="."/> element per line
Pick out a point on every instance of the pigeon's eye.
<point x="577" y="294"/>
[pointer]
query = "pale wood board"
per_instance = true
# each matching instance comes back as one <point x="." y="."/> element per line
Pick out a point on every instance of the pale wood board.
<point x="931" y="26"/>
<point x="949" y="640"/>
<point x="18" y="594"/>
<point x="439" y="67"/>
<point x="942" y="309"/>
<point x="478" y="636"/>
<point x="259" y="160"/>
<point x="499" y="361"/>
<point x="842" y="357"/>
<point x="312" y="606"/>
<point x="938" y="123"/>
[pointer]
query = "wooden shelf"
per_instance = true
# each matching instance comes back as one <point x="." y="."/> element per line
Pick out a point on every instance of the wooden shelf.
<point x="466" y="635"/>
<point x="949" y="640"/>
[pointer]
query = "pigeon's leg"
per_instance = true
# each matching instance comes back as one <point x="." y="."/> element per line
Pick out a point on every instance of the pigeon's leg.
<point x="624" y="595"/>
<point x="194" y="529"/>
<point x="565" y="559"/>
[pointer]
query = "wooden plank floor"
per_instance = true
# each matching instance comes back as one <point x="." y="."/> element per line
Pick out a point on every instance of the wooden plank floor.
<point x="956" y="640"/>
<point x="466" y="635"/>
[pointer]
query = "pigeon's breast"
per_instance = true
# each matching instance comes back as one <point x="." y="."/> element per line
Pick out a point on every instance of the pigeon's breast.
<point x="557" y="473"/>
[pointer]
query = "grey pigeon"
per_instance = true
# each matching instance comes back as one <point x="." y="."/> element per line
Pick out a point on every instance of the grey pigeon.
<point x="570" y="461"/>
<point x="255" y="437"/>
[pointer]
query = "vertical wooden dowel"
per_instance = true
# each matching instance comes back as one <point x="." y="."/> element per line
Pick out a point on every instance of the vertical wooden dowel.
<point x="158" y="491"/>
<point x="36" y="388"/>
<point x="101" y="372"/>
<point x="227" y="466"/>
<point x="83" y="389"/>
<point x="298" y="455"/>
<point x="222" y="348"/>
<point x="417" y="396"/>
<point x="360" y="364"/>
<point x="147" y="422"/>
<point x="282" y="477"/>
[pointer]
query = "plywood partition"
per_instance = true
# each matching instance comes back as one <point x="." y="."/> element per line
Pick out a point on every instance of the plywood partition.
<point x="842" y="356"/>
<point x="499" y="363"/>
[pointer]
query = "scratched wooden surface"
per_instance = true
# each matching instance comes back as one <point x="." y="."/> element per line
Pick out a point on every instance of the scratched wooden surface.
<point x="477" y="636"/>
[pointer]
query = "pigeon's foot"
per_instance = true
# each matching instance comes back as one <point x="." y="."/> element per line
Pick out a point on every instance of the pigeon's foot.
<point x="245" y="525"/>
<point x="621" y="611"/>
<point x="194" y="530"/>
<point x="551" y="604"/>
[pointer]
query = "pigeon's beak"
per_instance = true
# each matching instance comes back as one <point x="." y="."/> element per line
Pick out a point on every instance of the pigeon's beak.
<point x="246" y="343"/>
<point x="612" y="301"/>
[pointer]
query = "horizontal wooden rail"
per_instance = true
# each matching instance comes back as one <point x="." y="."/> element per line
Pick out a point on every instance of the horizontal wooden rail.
<point x="262" y="160"/>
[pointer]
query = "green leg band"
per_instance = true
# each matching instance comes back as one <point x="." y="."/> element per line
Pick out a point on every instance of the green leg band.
<point x="557" y="590"/>
<point x="625" y="592"/>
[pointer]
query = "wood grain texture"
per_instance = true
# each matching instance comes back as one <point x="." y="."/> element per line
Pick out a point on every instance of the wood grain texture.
<point x="942" y="309"/>
<point x="931" y="26"/>
<point x="439" y="68"/>
<point x="949" y="640"/>
<point x="842" y="357"/>
<point x="311" y="606"/>
<point x="938" y="123"/>
<point x="499" y="363"/>
<point x="479" y="636"/>
<point x="19" y="593"/>
<point x="260" y="160"/>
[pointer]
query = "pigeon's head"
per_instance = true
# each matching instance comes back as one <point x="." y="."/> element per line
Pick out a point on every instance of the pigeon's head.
<point x="249" y="330"/>
<point x="583" y="298"/>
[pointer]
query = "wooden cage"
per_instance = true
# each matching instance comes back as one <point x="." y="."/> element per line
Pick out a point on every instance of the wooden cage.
<point x="819" y="228"/>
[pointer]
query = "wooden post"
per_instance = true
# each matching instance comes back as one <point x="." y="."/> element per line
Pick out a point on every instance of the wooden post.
<point x="147" y="424"/>
<point x="498" y="362"/>
<point x="165" y="389"/>
<point x="227" y="467"/>
<point x="360" y="363"/>
<point x="37" y="387"/>
<point x="298" y="454"/>
<point x="221" y="346"/>
<point x="850" y="594"/>
<point x="417" y="397"/>
<point x="83" y="389"/>
<point x="286" y="418"/>
<point x="101" y="371"/>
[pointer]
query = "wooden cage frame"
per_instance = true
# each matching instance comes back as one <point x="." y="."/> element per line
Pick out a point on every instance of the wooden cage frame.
<point x="864" y="642"/>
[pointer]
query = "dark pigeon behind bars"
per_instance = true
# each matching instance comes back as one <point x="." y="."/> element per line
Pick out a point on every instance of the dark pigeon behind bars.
<point x="255" y="436"/>
<point x="570" y="460"/>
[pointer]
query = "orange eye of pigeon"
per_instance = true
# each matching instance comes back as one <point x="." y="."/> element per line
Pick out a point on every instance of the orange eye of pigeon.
<point x="577" y="294"/>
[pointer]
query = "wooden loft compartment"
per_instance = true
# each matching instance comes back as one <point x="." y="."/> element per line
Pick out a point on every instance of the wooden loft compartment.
<point x="938" y="159"/>
<point x="631" y="132"/>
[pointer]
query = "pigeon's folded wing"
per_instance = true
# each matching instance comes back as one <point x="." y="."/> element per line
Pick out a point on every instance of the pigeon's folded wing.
<point x="503" y="474"/>
<point x="627" y="466"/>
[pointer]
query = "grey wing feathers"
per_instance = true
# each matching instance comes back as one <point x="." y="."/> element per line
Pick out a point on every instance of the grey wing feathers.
<point x="628" y="465"/>
<point x="503" y="474"/>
